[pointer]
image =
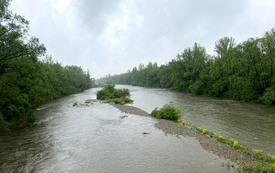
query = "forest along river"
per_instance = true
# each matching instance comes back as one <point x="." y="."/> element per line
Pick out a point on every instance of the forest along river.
<point x="100" y="138"/>
<point x="252" y="124"/>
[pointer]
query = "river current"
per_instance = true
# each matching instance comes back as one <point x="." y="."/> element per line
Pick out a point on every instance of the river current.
<point x="94" y="138"/>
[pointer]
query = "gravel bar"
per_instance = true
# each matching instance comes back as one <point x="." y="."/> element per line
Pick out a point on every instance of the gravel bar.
<point x="131" y="110"/>
<point x="209" y="144"/>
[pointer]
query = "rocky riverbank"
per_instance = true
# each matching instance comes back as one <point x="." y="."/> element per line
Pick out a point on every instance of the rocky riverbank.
<point x="131" y="110"/>
<point x="209" y="144"/>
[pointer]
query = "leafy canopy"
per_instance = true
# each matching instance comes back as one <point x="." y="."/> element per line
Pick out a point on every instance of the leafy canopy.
<point x="110" y="94"/>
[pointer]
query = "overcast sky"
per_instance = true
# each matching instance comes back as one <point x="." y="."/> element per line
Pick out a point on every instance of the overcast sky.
<point x="112" y="36"/>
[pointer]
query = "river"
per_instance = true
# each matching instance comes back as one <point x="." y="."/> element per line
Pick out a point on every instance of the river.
<point x="252" y="124"/>
<point x="95" y="138"/>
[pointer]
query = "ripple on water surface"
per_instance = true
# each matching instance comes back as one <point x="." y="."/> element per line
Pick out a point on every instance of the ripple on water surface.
<point x="96" y="139"/>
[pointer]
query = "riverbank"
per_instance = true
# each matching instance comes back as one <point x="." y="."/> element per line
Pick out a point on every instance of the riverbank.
<point x="207" y="143"/>
<point x="96" y="138"/>
<point x="131" y="110"/>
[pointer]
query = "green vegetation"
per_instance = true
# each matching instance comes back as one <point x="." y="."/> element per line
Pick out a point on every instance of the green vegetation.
<point x="168" y="111"/>
<point x="87" y="103"/>
<point x="259" y="169"/>
<point x="266" y="161"/>
<point x="109" y="94"/>
<point x="257" y="154"/>
<point x="244" y="71"/>
<point x="121" y="100"/>
<point x="4" y="126"/>
<point x="27" y="81"/>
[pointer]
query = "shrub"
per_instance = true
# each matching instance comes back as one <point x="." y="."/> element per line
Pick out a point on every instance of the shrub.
<point x="212" y="135"/>
<point x="4" y="126"/>
<point x="235" y="144"/>
<point x="267" y="160"/>
<point x="199" y="129"/>
<point x="221" y="138"/>
<point x="121" y="93"/>
<point x="204" y="131"/>
<point x="168" y="111"/>
<point x="269" y="96"/>
<point x="109" y="94"/>
<point x="183" y="122"/>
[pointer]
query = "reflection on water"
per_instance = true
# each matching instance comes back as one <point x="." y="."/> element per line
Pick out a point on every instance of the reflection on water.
<point x="95" y="139"/>
<point x="252" y="124"/>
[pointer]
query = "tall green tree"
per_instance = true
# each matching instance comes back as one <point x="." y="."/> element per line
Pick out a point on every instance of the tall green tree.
<point x="243" y="71"/>
<point x="25" y="81"/>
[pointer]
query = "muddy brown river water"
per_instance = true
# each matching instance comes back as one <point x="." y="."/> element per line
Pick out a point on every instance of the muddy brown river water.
<point x="252" y="124"/>
<point x="95" y="138"/>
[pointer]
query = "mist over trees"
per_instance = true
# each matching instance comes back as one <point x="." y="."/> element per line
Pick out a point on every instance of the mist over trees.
<point x="26" y="81"/>
<point x="243" y="71"/>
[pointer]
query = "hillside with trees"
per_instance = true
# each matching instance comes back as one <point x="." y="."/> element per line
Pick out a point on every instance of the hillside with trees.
<point x="243" y="71"/>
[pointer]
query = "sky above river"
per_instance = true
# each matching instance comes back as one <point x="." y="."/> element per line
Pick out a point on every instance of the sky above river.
<point x="112" y="36"/>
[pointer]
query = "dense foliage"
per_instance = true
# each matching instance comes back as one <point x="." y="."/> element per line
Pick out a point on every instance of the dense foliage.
<point x="242" y="71"/>
<point x="168" y="111"/>
<point x="25" y="81"/>
<point x="110" y="94"/>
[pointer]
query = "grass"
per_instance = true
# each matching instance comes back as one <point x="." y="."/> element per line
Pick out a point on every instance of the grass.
<point x="267" y="159"/>
<point x="259" y="169"/>
<point x="121" y="100"/>
<point x="170" y="112"/>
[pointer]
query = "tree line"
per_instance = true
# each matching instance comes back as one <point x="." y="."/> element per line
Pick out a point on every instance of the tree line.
<point x="26" y="79"/>
<point x="243" y="71"/>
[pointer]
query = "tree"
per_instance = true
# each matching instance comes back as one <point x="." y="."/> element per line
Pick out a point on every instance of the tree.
<point x="223" y="45"/>
<point x="243" y="71"/>
<point x="20" y="75"/>
<point x="25" y="81"/>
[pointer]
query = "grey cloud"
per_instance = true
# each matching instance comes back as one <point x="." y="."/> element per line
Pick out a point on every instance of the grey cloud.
<point x="92" y="13"/>
<point x="112" y="36"/>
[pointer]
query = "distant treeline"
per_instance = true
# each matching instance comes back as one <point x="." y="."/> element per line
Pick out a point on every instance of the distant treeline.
<point x="242" y="71"/>
<point x="25" y="81"/>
